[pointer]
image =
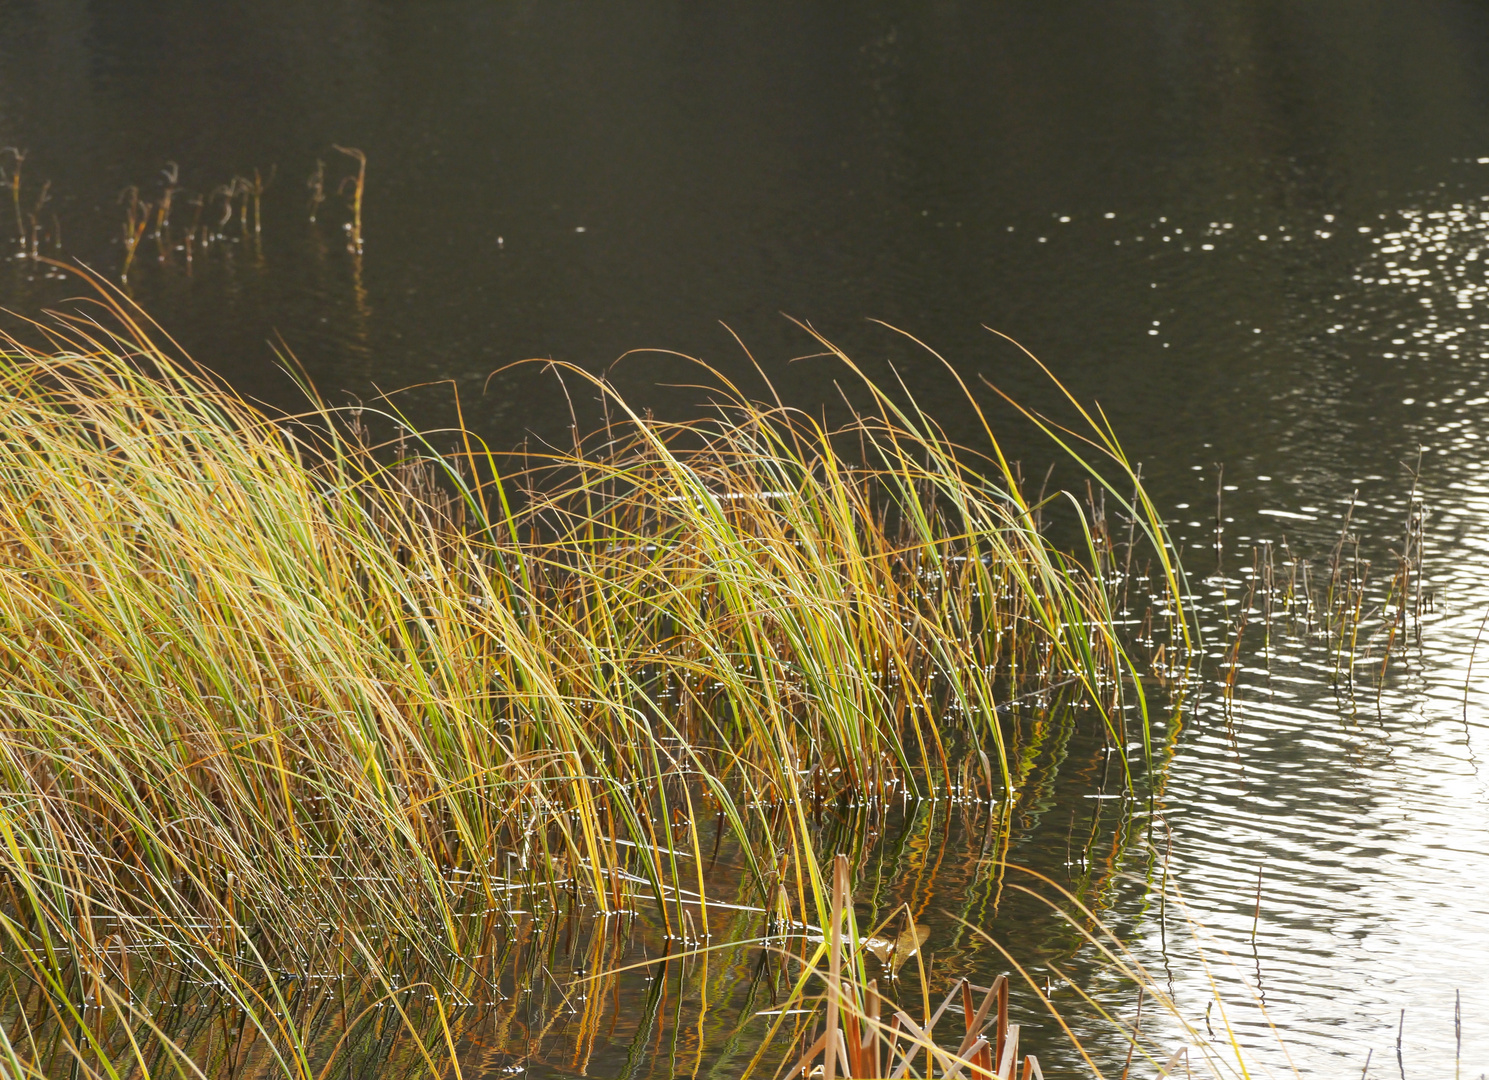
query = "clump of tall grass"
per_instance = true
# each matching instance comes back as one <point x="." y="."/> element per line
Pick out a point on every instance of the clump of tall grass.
<point x="275" y="699"/>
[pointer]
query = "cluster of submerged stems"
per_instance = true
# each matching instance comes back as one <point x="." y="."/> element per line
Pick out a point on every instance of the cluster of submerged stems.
<point x="151" y="215"/>
<point x="33" y="228"/>
<point x="260" y="678"/>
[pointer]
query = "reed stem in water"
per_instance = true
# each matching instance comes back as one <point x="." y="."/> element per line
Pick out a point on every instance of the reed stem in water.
<point x="356" y="183"/>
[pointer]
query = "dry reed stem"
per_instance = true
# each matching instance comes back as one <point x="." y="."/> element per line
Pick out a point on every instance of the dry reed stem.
<point x="357" y="183"/>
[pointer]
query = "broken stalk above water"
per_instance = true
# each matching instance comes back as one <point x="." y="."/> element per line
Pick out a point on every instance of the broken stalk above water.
<point x="357" y="183"/>
<point x="35" y="231"/>
<point x="317" y="186"/>
<point x="15" y="189"/>
<point x="136" y="220"/>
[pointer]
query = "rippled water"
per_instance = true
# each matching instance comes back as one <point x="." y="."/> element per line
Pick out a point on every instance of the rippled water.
<point x="1363" y="812"/>
<point x="1258" y="234"/>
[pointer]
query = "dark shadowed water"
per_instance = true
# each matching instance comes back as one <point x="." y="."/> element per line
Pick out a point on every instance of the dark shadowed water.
<point x="1257" y="232"/>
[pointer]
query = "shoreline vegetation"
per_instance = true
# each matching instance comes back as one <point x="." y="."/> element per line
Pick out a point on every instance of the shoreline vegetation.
<point x="284" y="709"/>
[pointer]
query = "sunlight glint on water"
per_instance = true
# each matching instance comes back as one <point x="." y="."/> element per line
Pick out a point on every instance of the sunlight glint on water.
<point x="1367" y="815"/>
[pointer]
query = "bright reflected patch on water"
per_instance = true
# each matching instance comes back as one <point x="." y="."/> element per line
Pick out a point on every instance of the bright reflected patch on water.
<point x="1361" y="813"/>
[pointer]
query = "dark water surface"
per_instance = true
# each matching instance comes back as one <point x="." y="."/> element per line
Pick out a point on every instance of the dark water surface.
<point x="1257" y="232"/>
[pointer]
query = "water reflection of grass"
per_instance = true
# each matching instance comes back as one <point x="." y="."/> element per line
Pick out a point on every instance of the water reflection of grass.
<point x="301" y="733"/>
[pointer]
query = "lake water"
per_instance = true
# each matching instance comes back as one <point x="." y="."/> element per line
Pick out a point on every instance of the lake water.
<point x="1257" y="233"/>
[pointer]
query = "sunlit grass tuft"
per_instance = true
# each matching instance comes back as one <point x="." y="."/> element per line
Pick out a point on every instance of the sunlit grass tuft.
<point x="276" y="702"/>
